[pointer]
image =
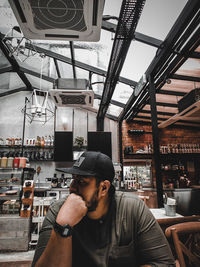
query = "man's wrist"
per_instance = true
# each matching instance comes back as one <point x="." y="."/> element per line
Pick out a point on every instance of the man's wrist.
<point x="63" y="230"/>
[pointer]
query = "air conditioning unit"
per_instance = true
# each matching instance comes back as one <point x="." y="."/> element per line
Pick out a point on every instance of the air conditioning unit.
<point x="189" y="99"/>
<point x="60" y="20"/>
<point x="72" y="92"/>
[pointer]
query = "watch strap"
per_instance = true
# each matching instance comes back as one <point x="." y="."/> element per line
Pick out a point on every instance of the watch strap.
<point x="63" y="230"/>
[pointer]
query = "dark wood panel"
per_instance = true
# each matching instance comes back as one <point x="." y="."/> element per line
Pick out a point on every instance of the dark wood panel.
<point x="100" y="141"/>
<point x="63" y="146"/>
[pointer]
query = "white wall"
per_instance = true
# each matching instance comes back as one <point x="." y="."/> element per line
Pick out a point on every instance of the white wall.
<point x="67" y="119"/>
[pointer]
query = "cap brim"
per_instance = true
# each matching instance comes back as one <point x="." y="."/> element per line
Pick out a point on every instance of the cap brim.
<point x="76" y="171"/>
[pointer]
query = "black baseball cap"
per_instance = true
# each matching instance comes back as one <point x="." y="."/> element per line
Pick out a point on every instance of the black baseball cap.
<point x="92" y="163"/>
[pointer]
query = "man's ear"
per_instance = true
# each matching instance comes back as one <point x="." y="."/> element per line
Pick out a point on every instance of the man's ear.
<point x="105" y="185"/>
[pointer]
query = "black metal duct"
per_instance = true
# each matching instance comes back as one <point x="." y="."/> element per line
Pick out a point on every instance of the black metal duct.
<point x="128" y="20"/>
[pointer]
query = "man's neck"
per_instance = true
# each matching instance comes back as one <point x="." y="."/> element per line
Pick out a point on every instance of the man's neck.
<point x="101" y="209"/>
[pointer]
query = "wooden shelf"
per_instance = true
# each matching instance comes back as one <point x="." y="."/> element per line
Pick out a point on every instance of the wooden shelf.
<point x="26" y="147"/>
<point x="137" y="156"/>
<point x="180" y="156"/>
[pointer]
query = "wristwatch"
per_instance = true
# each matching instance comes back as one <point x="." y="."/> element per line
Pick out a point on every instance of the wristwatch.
<point x="63" y="230"/>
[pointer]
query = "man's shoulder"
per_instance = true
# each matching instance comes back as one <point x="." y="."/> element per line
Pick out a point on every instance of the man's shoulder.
<point x="127" y="201"/>
<point x="126" y="197"/>
<point x="55" y="206"/>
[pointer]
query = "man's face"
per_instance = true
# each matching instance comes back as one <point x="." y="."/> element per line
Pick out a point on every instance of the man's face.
<point x="86" y="188"/>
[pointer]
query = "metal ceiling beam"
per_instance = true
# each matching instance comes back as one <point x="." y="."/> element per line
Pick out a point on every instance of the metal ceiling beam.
<point x="73" y="58"/>
<point x="14" y="64"/>
<point x="176" y="124"/>
<point x="182" y="39"/>
<point x="168" y="92"/>
<point x="193" y="43"/>
<point x="148" y="117"/>
<point x="163" y="119"/>
<point x="171" y="105"/>
<point x="140" y="37"/>
<point x="108" y="26"/>
<point x="78" y="64"/>
<point x="36" y="74"/>
<point x="114" y="118"/>
<point x="185" y="78"/>
<point x="113" y="102"/>
<point x="156" y="142"/>
<point x="57" y="67"/>
<point x="5" y="69"/>
<point x="13" y="91"/>
<point x="128" y="20"/>
<point x="158" y="112"/>
<point x="178" y="35"/>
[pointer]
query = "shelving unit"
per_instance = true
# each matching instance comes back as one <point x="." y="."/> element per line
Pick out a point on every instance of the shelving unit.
<point x="173" y="165"/>
<point x="40" y="207"/>
<point x="33" y="153"/>
<point x="11" y="181"/>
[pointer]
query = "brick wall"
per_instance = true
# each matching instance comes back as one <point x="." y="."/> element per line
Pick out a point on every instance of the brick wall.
<point x="137" y="141"/>
<point x="169" y="135"/>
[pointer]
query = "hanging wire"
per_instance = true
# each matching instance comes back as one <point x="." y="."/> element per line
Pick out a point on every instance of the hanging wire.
<point x="41" y="70"/>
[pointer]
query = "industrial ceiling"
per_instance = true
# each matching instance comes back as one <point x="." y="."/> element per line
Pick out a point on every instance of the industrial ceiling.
<point x="171" y="73"/>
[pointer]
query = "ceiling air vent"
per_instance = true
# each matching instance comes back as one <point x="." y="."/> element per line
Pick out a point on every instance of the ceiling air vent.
<point x="59" y="20"/>
<point x="72" y="92"/>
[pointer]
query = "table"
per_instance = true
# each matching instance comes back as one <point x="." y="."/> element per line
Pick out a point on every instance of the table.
<point x="160" y="214"/>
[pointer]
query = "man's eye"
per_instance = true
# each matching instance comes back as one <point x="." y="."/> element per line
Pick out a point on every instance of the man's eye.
<point x="82" y="183"/>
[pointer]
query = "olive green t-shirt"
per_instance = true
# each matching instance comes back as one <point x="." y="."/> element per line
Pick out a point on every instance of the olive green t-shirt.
<point x="128" y="236"/>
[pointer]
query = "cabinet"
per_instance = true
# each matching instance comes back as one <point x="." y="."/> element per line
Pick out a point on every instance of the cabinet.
<point x="11" y="181"/>
<point x="178" y="169"/>
<point x="137" y="175"/>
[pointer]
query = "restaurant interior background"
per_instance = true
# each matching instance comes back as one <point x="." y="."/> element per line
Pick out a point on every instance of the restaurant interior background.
<point x="141" y="85"/>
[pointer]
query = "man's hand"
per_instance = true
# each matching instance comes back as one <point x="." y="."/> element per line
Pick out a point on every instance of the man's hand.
<point x="72" y="211"/>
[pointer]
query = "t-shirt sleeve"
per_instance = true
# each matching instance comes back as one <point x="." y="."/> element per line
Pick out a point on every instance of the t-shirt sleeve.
<point x="46" y="229"/>
<point x="153" y="247"/>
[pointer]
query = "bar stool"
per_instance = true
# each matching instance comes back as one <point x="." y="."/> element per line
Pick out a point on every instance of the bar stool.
<point x="186" y="241"/>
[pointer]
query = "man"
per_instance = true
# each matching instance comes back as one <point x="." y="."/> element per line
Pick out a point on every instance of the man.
<point x="96" y="227"/>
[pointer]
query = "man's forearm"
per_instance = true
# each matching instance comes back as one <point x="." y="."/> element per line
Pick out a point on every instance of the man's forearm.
<point x="58" y="252"/>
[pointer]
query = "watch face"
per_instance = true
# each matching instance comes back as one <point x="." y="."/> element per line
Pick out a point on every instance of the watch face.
<point x="65" y="232"/>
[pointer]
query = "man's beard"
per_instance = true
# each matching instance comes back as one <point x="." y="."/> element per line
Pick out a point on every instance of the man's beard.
<point x="93" y="203"/>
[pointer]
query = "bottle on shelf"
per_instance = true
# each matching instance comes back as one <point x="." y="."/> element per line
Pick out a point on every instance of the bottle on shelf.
<point x="20" y="141"/>
<point x="1" y="141"/>
<point x="38" y="142"/>
<point x="46" y="140"/>
<point x="4" y="161"/>
<point x="16" y="162"/>
<point x="10" y="162"/>
<point x="7" y="141"/>
<point x="42" y="142"/>
<point x="33" y="142"/>
<point x="52" y="141"/>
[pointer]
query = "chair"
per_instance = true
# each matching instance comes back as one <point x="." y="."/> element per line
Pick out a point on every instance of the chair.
<point x="144" y="198"/>
<point x="186" y="241"/>
<point x="164" y="223"/>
